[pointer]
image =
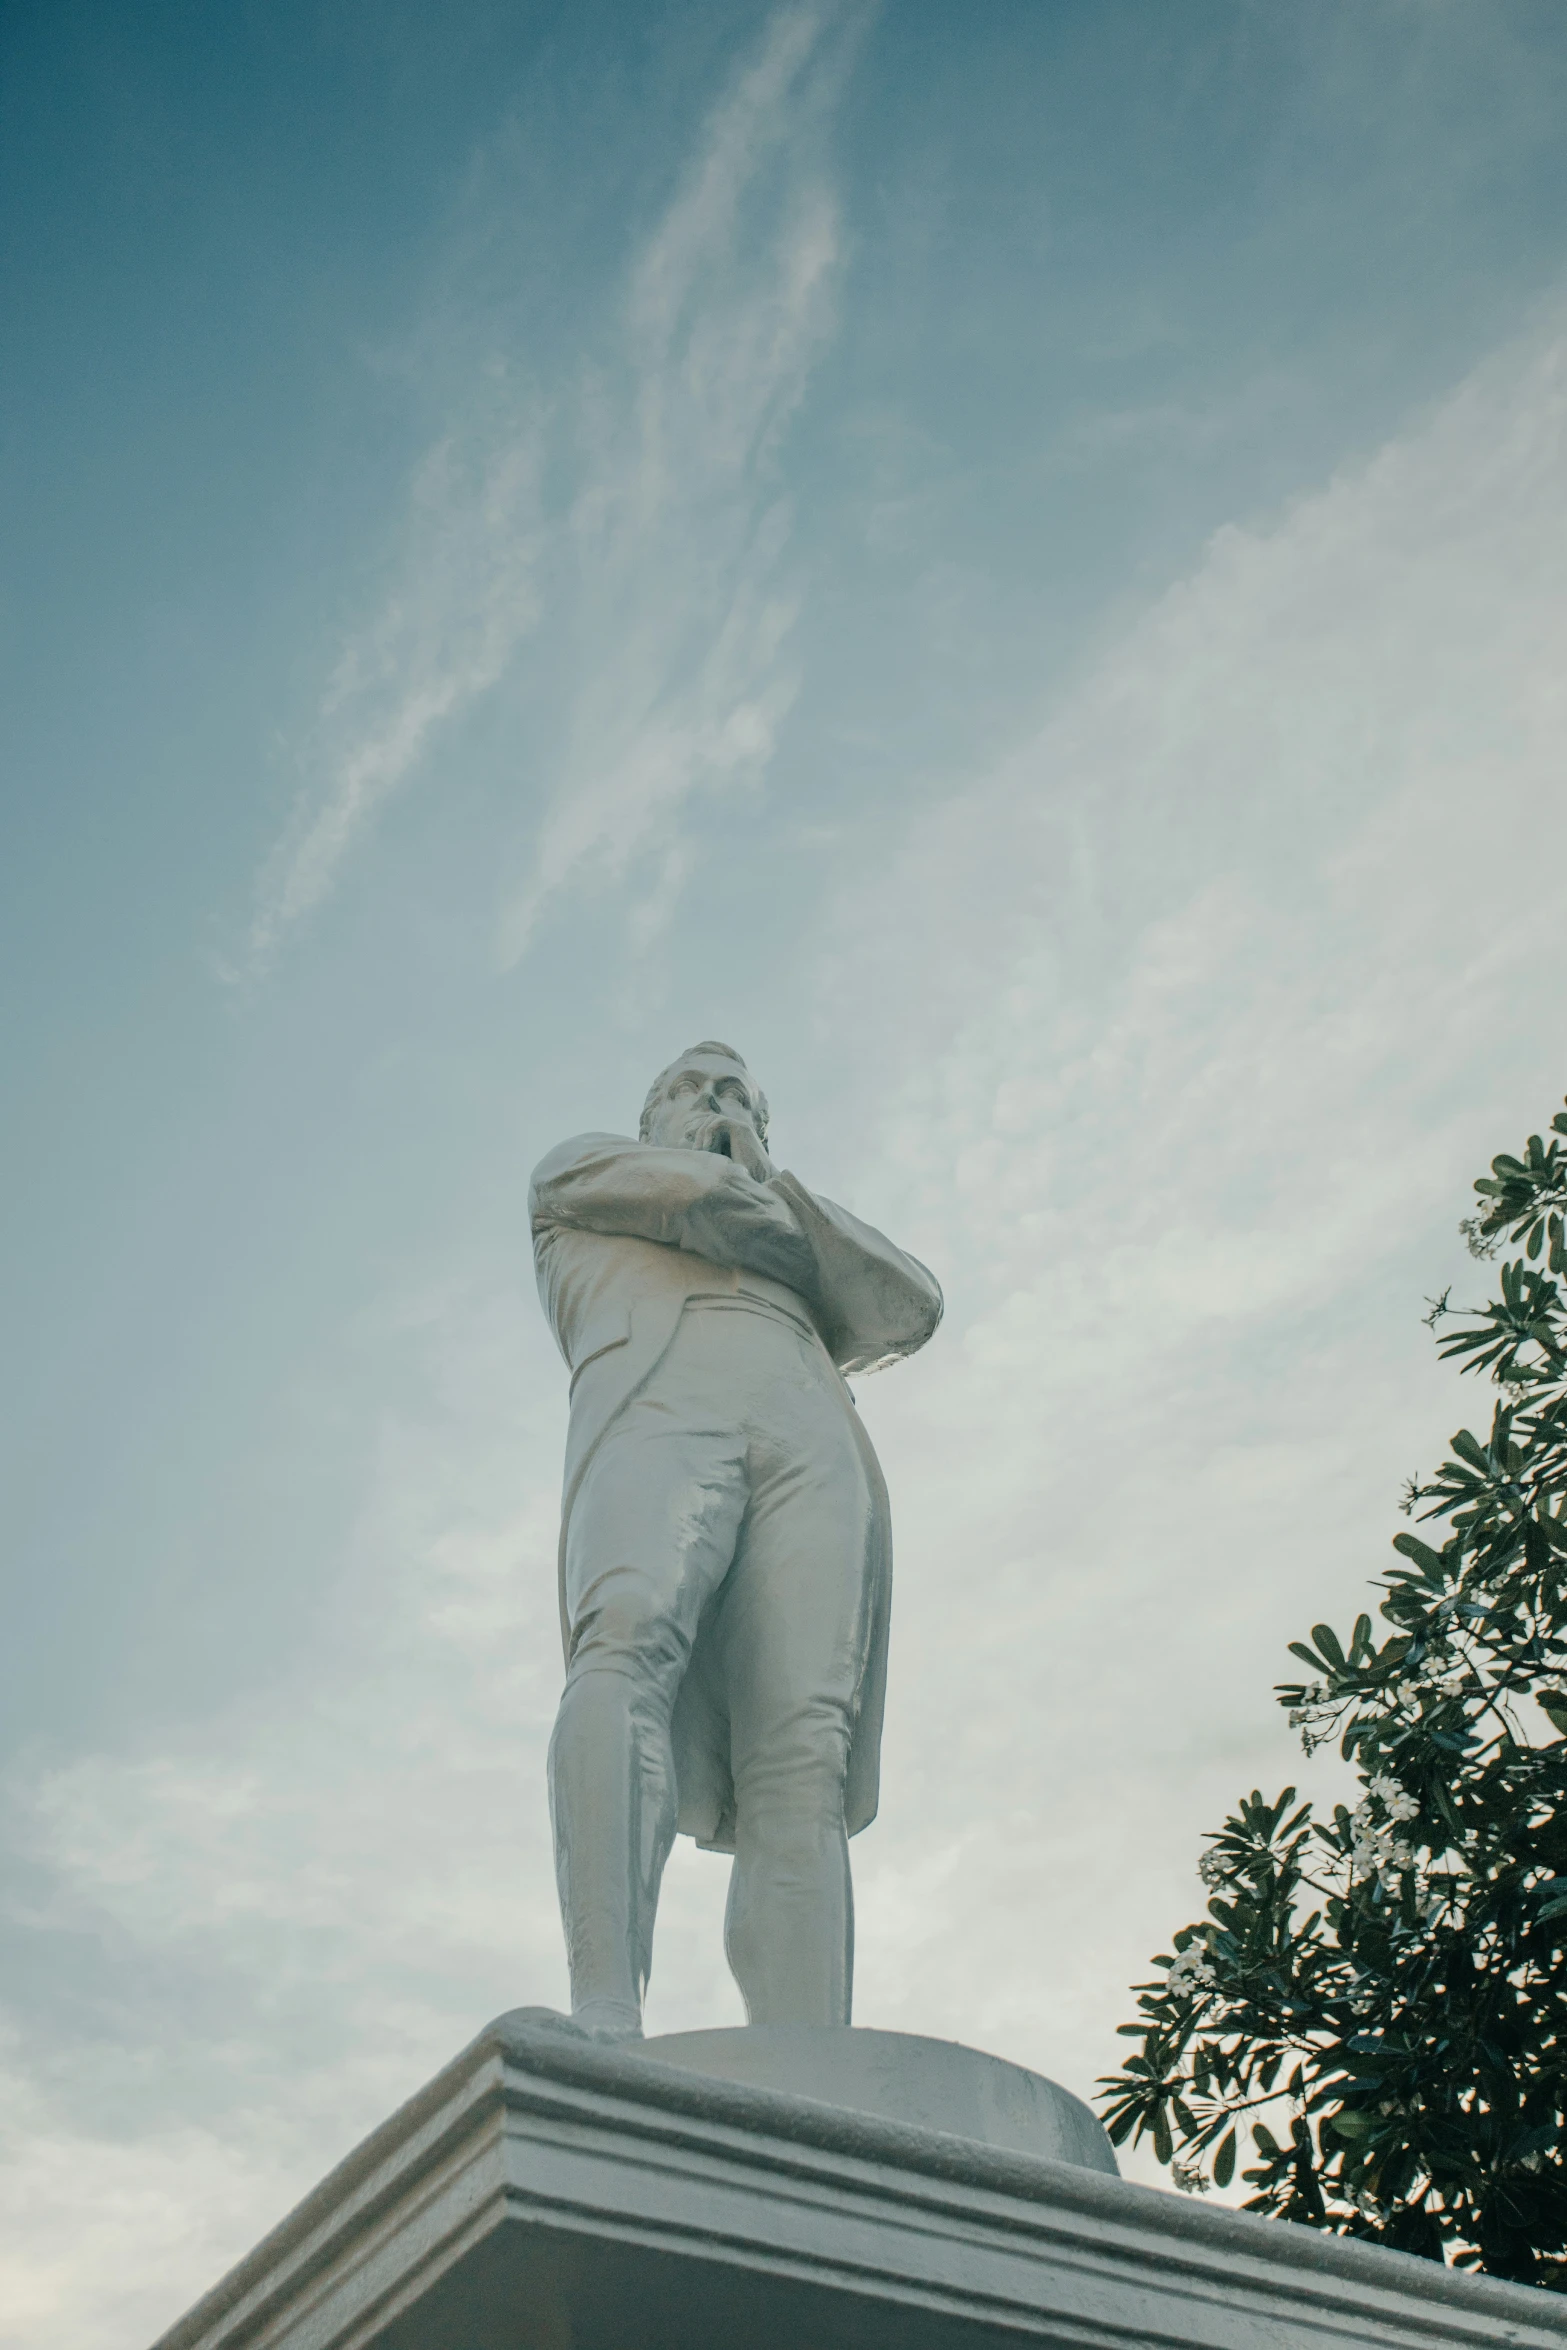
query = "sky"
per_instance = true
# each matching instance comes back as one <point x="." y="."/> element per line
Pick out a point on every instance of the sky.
<point x="1011" y="562"/>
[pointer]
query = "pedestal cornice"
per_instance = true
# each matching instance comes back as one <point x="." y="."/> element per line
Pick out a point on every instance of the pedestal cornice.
<point x="544" y="2193"/>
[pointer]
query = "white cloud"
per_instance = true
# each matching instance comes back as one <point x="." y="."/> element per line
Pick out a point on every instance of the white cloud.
<point x="680" y="532"/>
<point x="103" y="2279"/>
<point x="270" y="1928"/>
<point x="667" y="616"/>
<point x="464" y="596"/>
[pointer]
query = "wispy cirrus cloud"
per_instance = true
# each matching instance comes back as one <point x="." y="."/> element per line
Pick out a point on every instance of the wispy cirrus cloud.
<point x="679" y="535"/>
<point x="463" y="597"/>
<point x="669" y="604"/>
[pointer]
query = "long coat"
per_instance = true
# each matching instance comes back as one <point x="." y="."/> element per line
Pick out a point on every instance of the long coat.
<point x="623" y="1234"/>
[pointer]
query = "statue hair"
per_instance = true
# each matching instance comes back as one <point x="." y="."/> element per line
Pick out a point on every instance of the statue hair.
<point x="709" y="1044"/>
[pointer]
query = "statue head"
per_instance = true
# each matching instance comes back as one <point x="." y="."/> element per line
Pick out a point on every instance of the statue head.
<point x="706" y="1084"/>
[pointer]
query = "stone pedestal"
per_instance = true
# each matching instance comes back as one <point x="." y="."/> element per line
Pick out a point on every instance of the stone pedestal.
<point x="543" y="2193"/>
<point x="901" y="2077"/>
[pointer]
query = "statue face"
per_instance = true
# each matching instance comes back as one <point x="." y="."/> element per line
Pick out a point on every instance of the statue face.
<point x="700" y="1089"/>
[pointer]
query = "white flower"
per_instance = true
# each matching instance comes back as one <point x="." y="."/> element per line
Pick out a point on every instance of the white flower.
<point x="1387" y="1865"/>
<point x="1442" y="1675"/>
<point x="1191" y="1971"/>
<point x="1211" y="1869"/>
<point x="1188" y="2178"/>
<point x="1374" y="1850"/>
<point x="1395" y="1798"/>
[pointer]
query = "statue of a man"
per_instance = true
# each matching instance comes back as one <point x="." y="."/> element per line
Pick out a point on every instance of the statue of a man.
<point x="725" y="1551"/>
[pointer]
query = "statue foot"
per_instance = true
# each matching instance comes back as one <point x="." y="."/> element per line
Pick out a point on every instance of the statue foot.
<point x="607" y="2019"/>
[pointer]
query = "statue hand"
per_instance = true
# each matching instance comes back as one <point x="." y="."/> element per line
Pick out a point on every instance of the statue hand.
<point x="737" y="1139"/>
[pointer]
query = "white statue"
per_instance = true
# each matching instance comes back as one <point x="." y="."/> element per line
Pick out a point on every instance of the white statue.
<point x="725" y="1550"/>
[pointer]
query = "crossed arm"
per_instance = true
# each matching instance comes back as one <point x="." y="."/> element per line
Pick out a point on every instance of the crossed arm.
<point x="695" y="1200"/>
<point x="872" y="1302"/>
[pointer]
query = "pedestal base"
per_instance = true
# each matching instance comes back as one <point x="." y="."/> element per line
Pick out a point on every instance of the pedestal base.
<point x="900" y="2077"/>
<point x="543" y="2193"/>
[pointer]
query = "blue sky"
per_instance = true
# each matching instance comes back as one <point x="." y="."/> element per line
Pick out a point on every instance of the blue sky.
<point x="1009" y="561"/>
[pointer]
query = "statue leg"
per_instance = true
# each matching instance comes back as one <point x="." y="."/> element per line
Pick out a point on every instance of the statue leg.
<point x="794" y="1630"/>
<point x="652" y="1535"/>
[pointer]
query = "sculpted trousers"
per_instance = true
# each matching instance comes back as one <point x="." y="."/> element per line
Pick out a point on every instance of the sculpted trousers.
<point x="728" y="1496"/>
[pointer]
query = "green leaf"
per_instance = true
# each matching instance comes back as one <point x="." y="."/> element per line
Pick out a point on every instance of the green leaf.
<point x="1327" y="1641"/>
<point x="1421" y="1552"/>
<point x="1224" y="2161"/>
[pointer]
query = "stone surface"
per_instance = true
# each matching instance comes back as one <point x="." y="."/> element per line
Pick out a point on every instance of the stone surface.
<point x="543" y="2193"/>
<point x="725" y="1555"/>
<point x="901" y="2077"/>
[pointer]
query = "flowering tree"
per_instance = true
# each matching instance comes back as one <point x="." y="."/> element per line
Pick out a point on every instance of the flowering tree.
<point x="1388" y="1984"/>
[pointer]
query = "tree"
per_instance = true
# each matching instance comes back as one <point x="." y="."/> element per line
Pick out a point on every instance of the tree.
<point x="1389" y="1983"/>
